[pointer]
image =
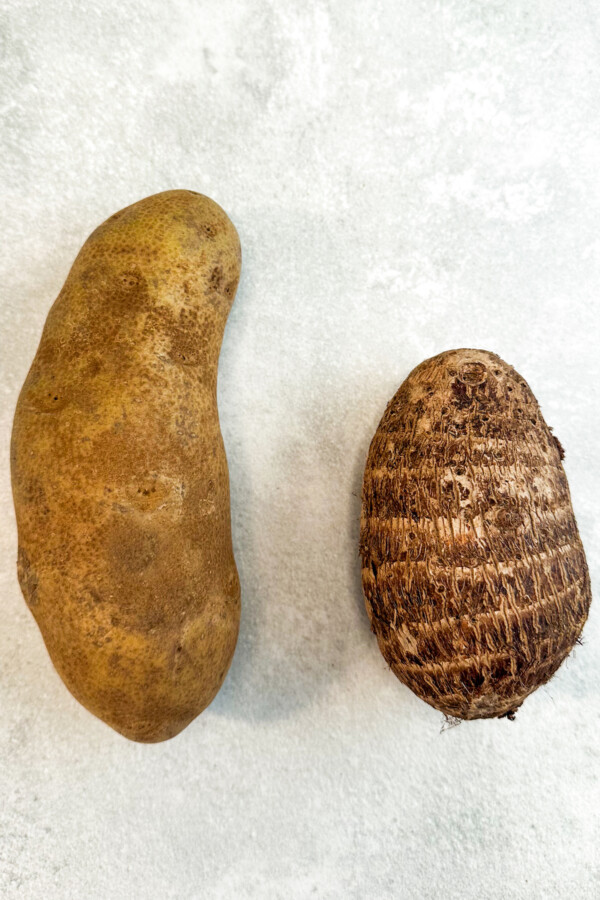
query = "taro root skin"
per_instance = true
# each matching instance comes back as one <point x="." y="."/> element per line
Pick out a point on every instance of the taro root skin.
<point x="119" y="472"/>
<point x="473" y="571"/>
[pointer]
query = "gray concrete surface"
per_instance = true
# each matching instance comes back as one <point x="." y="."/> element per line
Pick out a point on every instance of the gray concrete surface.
<point x="406" y="177"/>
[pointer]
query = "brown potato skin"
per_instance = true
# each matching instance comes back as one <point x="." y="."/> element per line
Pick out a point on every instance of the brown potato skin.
<point x="473" y="572"/>
<point x="119" y="472"/>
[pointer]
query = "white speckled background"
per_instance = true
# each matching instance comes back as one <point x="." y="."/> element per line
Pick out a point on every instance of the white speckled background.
<point x="406" y="177"/>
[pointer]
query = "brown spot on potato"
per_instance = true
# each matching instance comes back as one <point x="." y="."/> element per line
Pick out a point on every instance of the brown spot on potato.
<point x="130" y="280"/>
<point x="132" y="548"/>
<point x="216" y="279"/>
<point x="185" y="347"/>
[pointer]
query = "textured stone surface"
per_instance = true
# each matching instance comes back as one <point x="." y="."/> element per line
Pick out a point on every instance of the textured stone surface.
<point x="405" y="178"/>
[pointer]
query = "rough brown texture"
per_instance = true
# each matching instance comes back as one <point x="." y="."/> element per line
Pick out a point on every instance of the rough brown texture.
<point x="119" y="472"/>
<point x="474" y="574"/>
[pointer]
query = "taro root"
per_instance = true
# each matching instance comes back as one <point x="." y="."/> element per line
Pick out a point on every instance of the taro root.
<point x="473" y="571"/>
<point x="119" y="472"/>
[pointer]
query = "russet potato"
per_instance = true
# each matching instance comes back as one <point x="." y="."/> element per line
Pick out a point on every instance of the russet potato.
<point x="119" y="472"/>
